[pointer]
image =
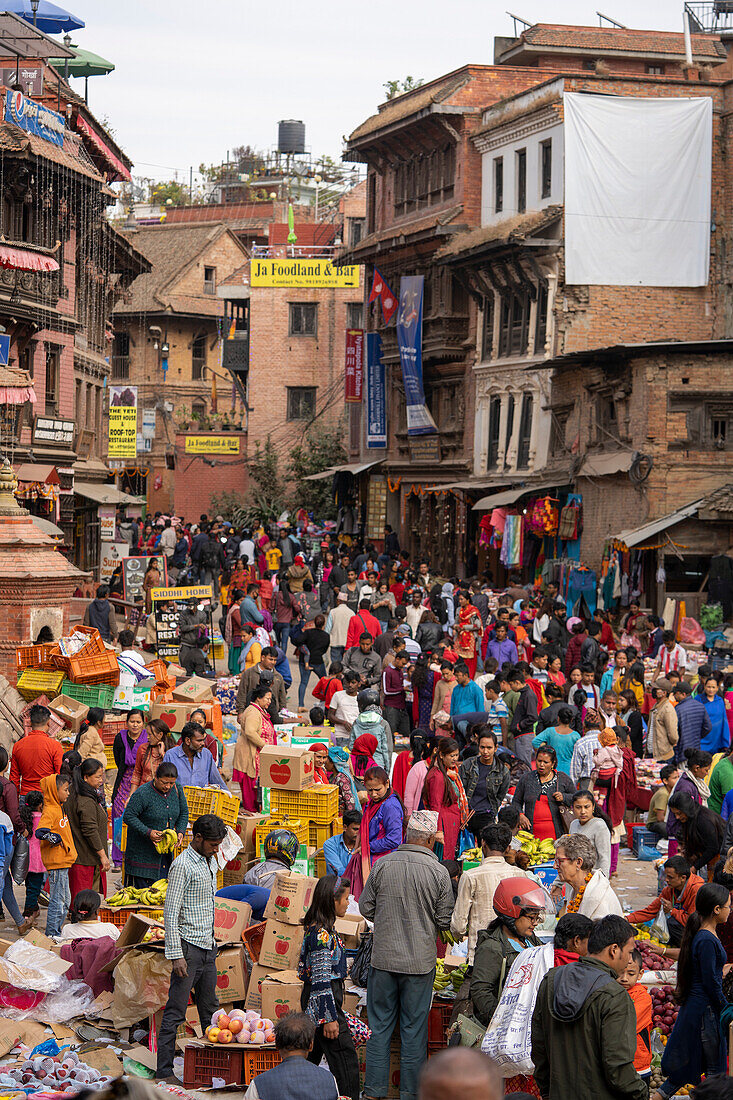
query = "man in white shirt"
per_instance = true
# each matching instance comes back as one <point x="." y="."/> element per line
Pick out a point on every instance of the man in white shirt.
<point x="344" y="709"/>
<point x="415" y="610"/>
<point x="588" y="686"/>
<point x="168" y="540"/>
<point x="672" y="657"/>
<point x="607" y="710"/>
<point x="247" y="547"/>
<point x="337" y="625"/>
<point x="474" y="910"/>
<point x="581" y="764"/>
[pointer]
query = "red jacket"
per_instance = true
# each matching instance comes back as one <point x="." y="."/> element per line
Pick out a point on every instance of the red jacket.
<point x="572" y="654"/>
<point x="684" y="906"/>
<point x="34" y="757"/>
<point x="363" y="622"/>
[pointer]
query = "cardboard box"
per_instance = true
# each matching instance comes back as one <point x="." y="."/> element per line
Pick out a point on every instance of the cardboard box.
<point x="246" y="825"/>
<point x="175" y="715"/>
<point x="281" y="945"/>
<point x="351" y="1002"/>
<point x="131" y="696"/>
<point x="350" y="928"/>
<point x="289" y="768"/>
<point x="280" y="994"/>
<point x="71" y="712"/>
<point x="132" y="934"/>
<point x="257" y="975"/>
<point x="193" y="690"/>
<point x="231" y="975"/>
<point x="290" y="898"/>
<point x="230" y="920"/>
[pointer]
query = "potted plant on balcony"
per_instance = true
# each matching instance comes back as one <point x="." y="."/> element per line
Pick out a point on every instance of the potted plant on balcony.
<point x="183" y="421"/>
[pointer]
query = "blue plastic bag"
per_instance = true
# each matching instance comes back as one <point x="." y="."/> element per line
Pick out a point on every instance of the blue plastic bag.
<point x="465" y="842"/>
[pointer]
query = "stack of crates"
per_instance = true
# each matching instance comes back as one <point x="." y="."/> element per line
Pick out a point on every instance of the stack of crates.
<point x="318" y="808"/>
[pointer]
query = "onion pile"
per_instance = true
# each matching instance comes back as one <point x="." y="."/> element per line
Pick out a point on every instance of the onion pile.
<point x="664" y="1008"/>
<point x="64" y="1073"/>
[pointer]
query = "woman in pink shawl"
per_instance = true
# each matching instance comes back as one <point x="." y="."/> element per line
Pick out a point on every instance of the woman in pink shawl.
<point x="380" y="830"/>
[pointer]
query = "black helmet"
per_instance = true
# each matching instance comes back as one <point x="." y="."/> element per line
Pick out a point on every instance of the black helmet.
<point x="283" y="845"/>
<point x="368" y="699"/>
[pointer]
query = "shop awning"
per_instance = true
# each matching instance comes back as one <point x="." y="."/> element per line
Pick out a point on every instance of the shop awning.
<point x="467" y="486"/>
<point x="101" y="147"/>
<point x="22" y="259"/>
<point x="498" y="500"/>
<point x="636" y="535"/>
<point x="601" y="465"/>
<point x="353" y="468"/>
<point x="30" y="472"/>
<point x="102" y="494"/>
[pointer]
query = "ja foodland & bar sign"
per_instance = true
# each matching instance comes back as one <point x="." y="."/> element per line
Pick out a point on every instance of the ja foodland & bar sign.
<point x="34" y="118"/>
<point x="287" y="272"/>
<point x="212" y="445"/>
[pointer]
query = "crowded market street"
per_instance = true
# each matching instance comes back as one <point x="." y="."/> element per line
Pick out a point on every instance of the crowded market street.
<point x="366" y="552"/>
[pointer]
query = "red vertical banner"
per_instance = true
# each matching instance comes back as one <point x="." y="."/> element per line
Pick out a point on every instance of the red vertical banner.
<point x="354" y="381"/>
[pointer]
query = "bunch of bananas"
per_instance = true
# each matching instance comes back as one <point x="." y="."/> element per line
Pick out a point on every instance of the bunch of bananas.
<point x="472" y="855"/>
<point x="447" y="936"/>
<point x="153" y="897"/>
<point x="445" y="978"/>
<point x="643" y="934"/>
<point x="167" y="842"/>
<point x="539" y="851"/>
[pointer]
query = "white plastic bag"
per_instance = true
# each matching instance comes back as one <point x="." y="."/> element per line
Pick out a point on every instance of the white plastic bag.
<point x="660" y="929"/>
<point x="508" y="1038"/>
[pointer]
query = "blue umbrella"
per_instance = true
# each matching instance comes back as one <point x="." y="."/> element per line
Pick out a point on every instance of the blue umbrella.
<point x="47" y="17"/>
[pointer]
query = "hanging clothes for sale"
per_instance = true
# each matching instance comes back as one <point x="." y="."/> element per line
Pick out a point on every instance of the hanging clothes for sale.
<point x="573" y="516"/>
<point x="513" y="543"/>
<point x="582" y="585"/>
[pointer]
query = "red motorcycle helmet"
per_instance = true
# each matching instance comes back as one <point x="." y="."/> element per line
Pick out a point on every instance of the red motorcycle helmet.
<point x="514" y="895"/>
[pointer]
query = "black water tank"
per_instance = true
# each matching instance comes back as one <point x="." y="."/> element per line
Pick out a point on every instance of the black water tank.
<point x="291" y="136"/>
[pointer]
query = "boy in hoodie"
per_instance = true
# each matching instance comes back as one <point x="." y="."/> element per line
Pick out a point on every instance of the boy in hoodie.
<point x="584" y="1024"/>
<point x="57" y="849"/>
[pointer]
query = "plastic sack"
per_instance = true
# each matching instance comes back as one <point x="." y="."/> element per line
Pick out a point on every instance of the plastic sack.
<point x="646" y="854"/>
<point x="660" y="928"/>
<point x="30" y="967"/>
<point x="21" y="860"/>
<point x="691" y="632"/>
<point x="72" y="998"/>
<point x="508" y="1038"/>
<point x="142" y="980"/>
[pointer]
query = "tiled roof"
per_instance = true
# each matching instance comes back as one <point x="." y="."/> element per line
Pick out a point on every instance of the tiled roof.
<point x="394" y="110"/>
<point x="612" y="39"/>
<point x="508" y="231"/>
<point x="720" y="500"/>
<point x="71" y="155"/>
<point x="170" y="249"/>
<point x="402" y="229"/>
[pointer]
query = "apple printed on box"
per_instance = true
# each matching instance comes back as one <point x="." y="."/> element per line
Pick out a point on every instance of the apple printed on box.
<point x="290" y="897"/>
<point x="290" y="768"/>
<point x="281" y="945"/>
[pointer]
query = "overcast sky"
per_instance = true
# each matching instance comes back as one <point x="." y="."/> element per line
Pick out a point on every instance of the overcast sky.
<point x="194" y="79"/>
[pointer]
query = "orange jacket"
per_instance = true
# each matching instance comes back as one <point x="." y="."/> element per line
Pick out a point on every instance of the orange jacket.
<point x="55" y="856"/>
<point x="641" y="997"/>
<point x="684" y="906"/>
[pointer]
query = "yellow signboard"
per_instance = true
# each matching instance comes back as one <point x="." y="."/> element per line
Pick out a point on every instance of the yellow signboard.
<point x="212" y="444"/>
<point x="122" y="430"/>
<point x="287" y="271"/>
<point x="193" y="592"/>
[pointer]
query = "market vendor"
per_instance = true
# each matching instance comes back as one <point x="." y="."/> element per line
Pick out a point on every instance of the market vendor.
<point x="677" y="899"/>
<point x="152" y="809"/>
<point x="124" y="749"/>
<point x="195" y="764"/>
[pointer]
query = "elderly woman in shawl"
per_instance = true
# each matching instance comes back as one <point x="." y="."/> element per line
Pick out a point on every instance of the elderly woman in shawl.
<point x="380" y="831"/>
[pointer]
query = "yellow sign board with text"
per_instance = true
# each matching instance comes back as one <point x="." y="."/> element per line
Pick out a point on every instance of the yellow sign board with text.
<point x="193" y="592"/>
<point x="212" y="445"/>
<point x="290" y="272"/>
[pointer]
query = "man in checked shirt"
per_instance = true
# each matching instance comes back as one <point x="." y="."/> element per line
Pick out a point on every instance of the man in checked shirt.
<point x="189" y="936"/>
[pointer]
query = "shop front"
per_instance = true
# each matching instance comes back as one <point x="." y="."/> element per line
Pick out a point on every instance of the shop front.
<point x="96" y="536"/>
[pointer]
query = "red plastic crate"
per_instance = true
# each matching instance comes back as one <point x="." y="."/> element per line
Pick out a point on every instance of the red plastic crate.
<point x="55" y="725"/>
<point x="630" y="826"/>
<point x="438" y="1020"/>
<point x="112" y="725"/>
<point x="202" y="1063"/>
<point x="252" y="938"/>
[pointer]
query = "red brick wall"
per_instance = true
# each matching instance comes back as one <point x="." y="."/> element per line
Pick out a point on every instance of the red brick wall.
<point x="196" y="481"/>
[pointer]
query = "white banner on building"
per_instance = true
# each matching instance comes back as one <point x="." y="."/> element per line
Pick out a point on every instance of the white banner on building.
<point x="637" y="190"/>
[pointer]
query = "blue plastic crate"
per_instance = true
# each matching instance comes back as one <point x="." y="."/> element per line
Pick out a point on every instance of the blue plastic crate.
<point x="546" y="873"/>
<point x="644" y="838"/>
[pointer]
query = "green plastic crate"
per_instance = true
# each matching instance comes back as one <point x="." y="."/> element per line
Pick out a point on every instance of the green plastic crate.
<point x="94" y="695"/>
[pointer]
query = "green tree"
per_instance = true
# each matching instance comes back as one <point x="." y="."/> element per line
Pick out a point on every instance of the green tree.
<point x="393" y="88"/>
<point x="267" y="490"/>
<point x="321" y="447"/>
<point x="169" y="189"/>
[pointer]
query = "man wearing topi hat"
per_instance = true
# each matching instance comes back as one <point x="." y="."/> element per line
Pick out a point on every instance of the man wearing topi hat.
<point x="409" y="898"/>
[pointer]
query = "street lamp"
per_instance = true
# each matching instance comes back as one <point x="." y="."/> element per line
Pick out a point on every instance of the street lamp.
<point x="34" y="6"/>
<point x="67" y="43"/>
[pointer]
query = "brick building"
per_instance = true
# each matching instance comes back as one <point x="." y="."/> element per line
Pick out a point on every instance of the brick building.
<point x="168" y="338"/>
<point x="64" y="267"/>
<point x="540" y="413"/>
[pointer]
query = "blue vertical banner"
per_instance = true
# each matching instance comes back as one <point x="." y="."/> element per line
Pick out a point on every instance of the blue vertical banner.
<point x="409" y="339"/>
<point x="376" y="388"/>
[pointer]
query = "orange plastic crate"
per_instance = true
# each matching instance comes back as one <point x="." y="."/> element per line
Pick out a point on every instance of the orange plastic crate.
<point x="252" y="938"/>
<point x="35" y="656"/>
<point x="97" y="668"/>
<point x="257" y="1060"/>
<point x="119" y="917"/>
<point x="95" y="644"/>
<point x="159" y="669"/>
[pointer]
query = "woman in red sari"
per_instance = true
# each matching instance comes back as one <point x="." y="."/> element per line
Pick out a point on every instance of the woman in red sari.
<point x="380" y="831"/>
<point x="443" y="792"/>
<point x="468" y="631"/>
